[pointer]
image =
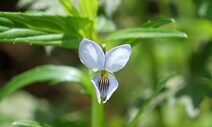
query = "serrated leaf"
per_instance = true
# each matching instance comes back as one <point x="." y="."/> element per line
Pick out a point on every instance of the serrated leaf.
<point x="39" y="38"/>
<point x="136" y="33"/>
<point x="40" y="29"/>
<point x="158" y="22"/>
<point x="51" y="73"/>
<point x="28" y="123"/>
<point x="48" y="23"/>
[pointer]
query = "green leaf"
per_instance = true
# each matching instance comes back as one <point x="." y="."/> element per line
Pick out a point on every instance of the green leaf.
<point x="34" y="37"/>
<point x="158" y="22"/>
<point x="69" y="8"/>
<point x="136" y="33"/>
<point x="28" y="123"/>
<point x="89" y="8"/>
<point x="40" y="29"/>
<point x="141" y="110"/>
<point x="44" y="22"/>
<point x="52" y="73"/>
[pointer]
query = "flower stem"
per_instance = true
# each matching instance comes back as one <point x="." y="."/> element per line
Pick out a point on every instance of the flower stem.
<point x="97" y="113"/>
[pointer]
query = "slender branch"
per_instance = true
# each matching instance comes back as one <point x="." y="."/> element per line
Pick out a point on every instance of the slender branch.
<point x="159" y="87"/>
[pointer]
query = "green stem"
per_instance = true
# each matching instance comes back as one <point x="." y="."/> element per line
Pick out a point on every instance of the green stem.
<point x="97" y="113"/>
<point x="159" y="87"/>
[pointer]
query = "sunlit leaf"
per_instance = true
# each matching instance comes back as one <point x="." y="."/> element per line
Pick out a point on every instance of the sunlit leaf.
<point x="39" y="29"/>
<point x="88" y="8"/>
<point x="28" y="123"/>
<point x="51" y="73"/>
<point x="135" y="33"/>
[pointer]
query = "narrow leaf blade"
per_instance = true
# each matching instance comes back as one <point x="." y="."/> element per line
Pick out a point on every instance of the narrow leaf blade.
<point x="40" y="29"/>
<point x="158" y="22"/>
<point x="136" y="33"/>
<point x="39" y="38"/>
<point x="44" y="22"/>
<point x="28" y="123"/>
<point x="52" y="73"/>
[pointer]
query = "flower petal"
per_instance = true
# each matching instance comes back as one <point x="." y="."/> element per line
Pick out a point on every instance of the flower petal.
<point x="95" y="81"/>
<point x="113" y="85"/>
<point x="117" y="58"/>
<point x="91" y="55"/>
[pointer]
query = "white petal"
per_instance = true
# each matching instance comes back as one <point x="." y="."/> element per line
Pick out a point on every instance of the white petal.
<point x="113" y="85"/>
<point x="91" y="55"/>
<point x="95" y="82"/>
<point x="117" y="57"/>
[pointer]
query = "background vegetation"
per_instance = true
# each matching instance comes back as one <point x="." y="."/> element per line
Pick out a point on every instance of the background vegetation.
<point x="42" y="79"/>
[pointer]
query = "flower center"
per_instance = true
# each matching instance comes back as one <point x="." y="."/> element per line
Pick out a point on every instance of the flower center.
<point x="103" y="83"/>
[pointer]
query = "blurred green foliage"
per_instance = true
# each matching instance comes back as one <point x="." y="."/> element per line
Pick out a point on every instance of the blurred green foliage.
<point x="185" y="100"/>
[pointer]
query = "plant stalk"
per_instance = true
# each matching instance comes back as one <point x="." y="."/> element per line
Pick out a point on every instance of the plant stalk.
<point x="97" y="114"/>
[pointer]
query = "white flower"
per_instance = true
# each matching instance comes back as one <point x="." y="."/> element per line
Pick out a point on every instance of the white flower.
<point x="105" y="64"/>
